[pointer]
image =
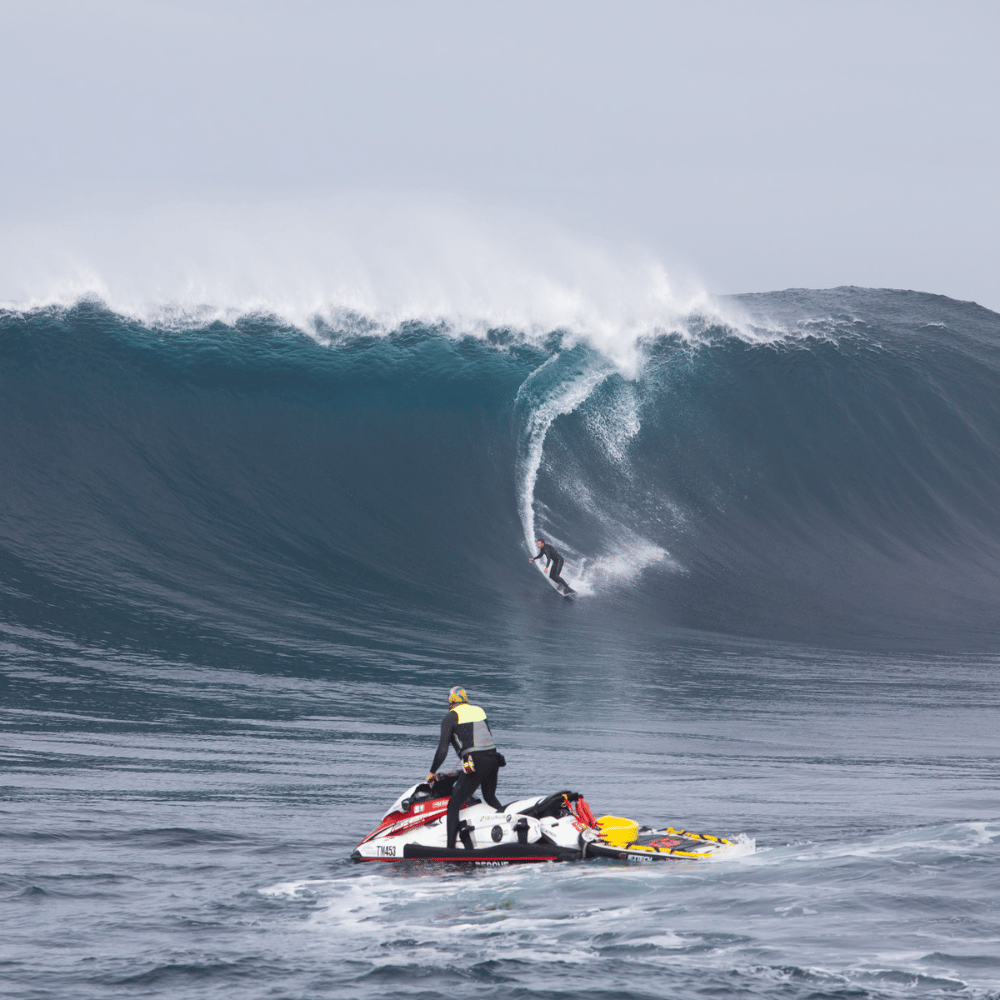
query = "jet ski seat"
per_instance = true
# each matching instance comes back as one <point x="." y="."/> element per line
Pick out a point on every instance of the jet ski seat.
<point x="552" y="805"/>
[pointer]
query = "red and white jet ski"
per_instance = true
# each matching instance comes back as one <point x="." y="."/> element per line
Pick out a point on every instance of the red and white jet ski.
<point x="559" y="827"/>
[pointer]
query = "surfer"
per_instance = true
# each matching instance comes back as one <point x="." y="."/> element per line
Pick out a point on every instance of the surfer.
<point x="467" y="729"/>
<point x="555" y="563"/>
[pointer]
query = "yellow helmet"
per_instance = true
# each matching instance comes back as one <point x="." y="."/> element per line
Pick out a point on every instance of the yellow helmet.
<point x="457" y="695"/>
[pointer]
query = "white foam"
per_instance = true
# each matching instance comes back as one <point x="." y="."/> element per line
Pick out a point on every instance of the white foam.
<point x="741" y="846"/>
<point x="562" y="913"/>
<point x="367" y="257"/>
<point x="615" y="425"/>
<point x="954" y="837"/>
<point x="566" y="397"/>
<point x="387" y="259"/>
<point x="631" y="557"/>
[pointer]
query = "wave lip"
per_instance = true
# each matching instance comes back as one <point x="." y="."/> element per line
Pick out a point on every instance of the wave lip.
<point x="319" y="264"/>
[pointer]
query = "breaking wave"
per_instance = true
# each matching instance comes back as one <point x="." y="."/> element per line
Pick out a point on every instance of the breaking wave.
<point x="823" y="466"/>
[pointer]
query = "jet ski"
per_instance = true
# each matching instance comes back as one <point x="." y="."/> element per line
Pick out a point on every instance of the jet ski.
<point x="556" y="827"/>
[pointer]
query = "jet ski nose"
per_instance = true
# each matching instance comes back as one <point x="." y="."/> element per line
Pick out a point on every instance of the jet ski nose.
<point x="356" y="856"/>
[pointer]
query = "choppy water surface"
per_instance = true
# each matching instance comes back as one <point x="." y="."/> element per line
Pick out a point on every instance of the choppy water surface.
<point x="240" y="568"/>
<point x="188" y="856"/>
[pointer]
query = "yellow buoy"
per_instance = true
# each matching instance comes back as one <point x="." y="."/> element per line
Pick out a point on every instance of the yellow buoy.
<point x="617" y="831"/>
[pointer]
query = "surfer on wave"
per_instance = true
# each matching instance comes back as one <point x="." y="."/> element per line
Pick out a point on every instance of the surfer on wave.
<point x="555" y="563"/>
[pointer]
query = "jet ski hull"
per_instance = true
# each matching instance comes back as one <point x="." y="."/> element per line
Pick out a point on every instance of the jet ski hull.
<point x="502" y="854"/>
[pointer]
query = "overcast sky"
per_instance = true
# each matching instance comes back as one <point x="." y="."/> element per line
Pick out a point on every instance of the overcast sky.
<point x="761" y="145"/>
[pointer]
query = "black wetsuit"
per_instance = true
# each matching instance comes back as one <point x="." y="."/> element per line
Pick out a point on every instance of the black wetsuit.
<point x="467" y="729"/>
<point x="556" y="562"/>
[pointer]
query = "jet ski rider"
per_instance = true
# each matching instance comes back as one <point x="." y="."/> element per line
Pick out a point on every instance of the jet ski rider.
<point x="555" y="562"/>
<point x="466" y="728"/>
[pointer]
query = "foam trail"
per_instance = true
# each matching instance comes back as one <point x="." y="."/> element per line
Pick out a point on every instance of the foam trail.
<point x="567" y="397"/>
<point x="560" y="387"/>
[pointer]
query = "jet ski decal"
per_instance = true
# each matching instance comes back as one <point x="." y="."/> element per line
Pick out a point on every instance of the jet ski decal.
<point x="396" y="823"/>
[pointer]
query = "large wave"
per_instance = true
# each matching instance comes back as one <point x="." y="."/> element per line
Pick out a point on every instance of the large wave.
<point x="826" y="469"/>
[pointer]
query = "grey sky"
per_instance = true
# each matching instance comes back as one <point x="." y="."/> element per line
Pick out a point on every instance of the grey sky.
<point x="762" y="145"/>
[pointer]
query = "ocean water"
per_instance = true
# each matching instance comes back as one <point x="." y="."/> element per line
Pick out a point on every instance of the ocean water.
<point x="242" y="562"/>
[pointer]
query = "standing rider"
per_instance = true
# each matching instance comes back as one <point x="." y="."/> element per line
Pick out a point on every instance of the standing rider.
<point x="555" y="562"/>
<point x="466" y="728"/>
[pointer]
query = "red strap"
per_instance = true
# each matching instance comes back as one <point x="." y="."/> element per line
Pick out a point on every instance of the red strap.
<point x="581" y="811"/>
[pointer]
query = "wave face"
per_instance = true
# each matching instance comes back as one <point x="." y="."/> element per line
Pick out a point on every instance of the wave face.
<point x="826" y="469"/>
